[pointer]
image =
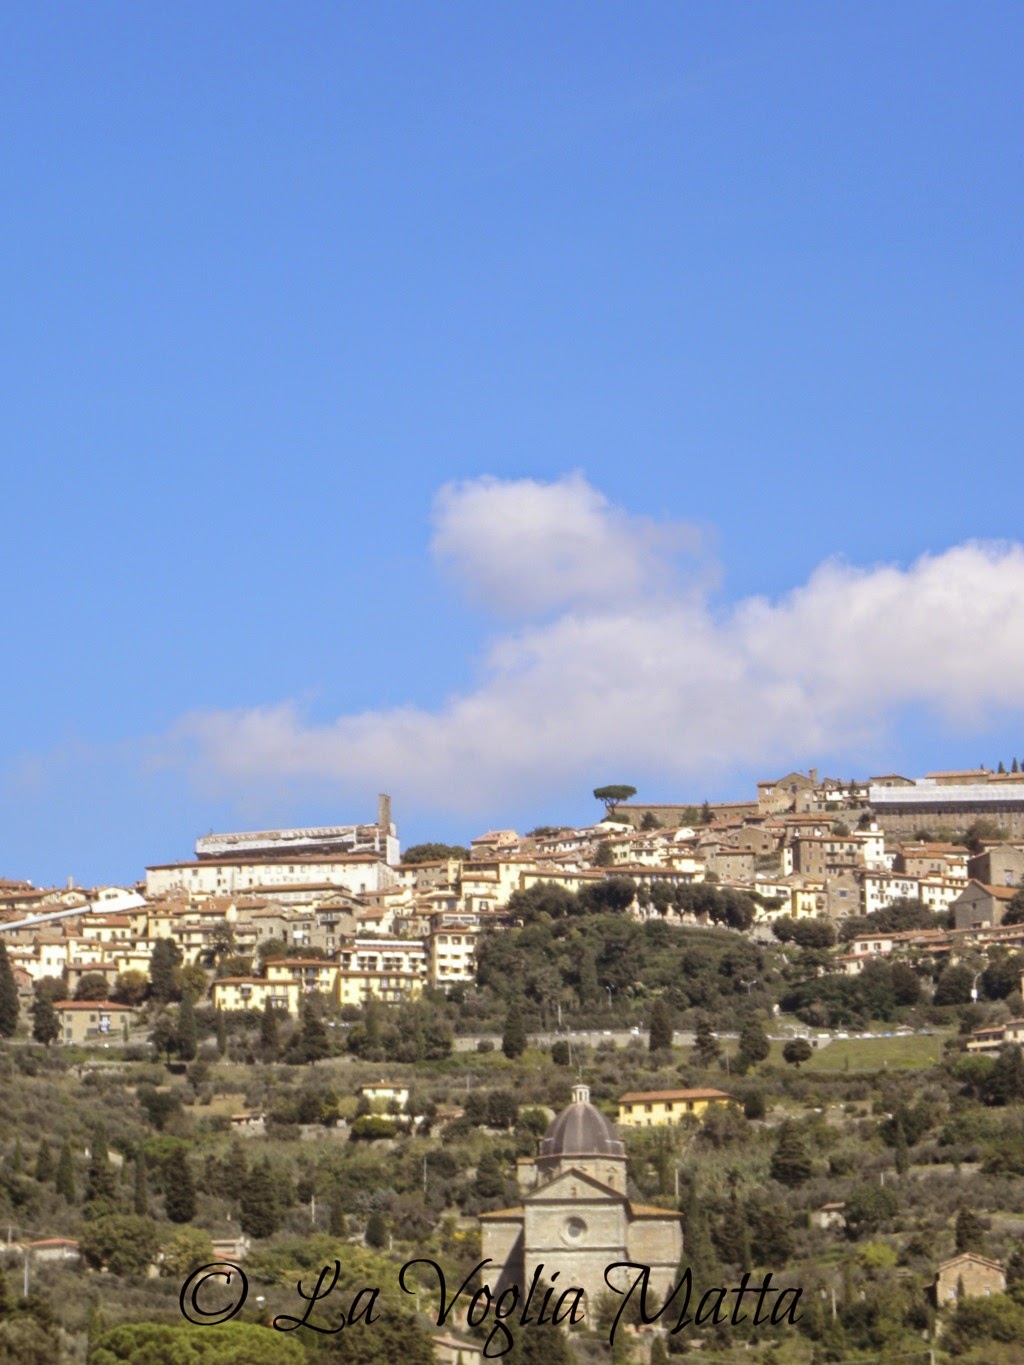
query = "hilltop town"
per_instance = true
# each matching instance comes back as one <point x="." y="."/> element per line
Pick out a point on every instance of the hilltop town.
<point x="777" y="1036"/>
<point x="385" y="928"/>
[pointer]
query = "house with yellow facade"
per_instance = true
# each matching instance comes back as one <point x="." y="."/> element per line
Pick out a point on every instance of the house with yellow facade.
<point x="308" y="973"/>
<point x="655" y="1108"/>
<point x="252" y="992"/>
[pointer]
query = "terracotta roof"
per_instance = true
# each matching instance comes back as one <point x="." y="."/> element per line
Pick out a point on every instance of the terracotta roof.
<point x="300" y="962"/>
<point x="90" y="1005"/>
<point x="969" y="1256"/>
<point x="646" y="1095"/>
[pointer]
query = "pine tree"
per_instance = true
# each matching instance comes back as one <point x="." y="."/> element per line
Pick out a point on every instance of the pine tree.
<point x="188" y="1035"/>
<point x="754" y="1044"/>
<point x="99" y="1183"/>
<point x="660" y="1036"/>
<point x="65" y="1180"/>
<point x="268" y="1032"/>
<point x="8" y="996"/>
<point x="180" y="1190"/>
<point x="140" y="1197"/>
<point x="44" y="1163"/>
<point x="513" y="1038"/>
<point x="791" y="1163"/>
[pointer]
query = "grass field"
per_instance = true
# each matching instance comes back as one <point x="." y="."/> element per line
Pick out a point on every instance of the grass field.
<point x="911" y="1052"/>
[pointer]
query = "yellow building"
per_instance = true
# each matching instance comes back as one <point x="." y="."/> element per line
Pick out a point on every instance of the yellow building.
<point x="387" y="984"/>
<point x="308" y="973"/>
<point x="654" y="1108"/>
<point x="82" y="1020"/>
<point x="250" y="993"/>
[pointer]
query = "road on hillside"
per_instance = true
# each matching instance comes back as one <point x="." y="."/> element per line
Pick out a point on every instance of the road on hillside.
<point x="591" y="1037"/>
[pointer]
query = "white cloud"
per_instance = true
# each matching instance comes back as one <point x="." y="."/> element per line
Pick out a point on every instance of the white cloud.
<point x="635" y="673"/>
<point x="522" y="548"/>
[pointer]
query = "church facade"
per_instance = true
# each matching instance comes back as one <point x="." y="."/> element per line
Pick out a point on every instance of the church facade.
<point x="576" y="1219"/>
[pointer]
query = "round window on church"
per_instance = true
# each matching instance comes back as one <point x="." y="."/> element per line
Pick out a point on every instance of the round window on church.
<point x="574" y="1229"/>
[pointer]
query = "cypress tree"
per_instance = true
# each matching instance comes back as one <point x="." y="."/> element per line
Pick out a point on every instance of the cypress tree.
<point x="698" y="1250"/>
<point x="268" y="1032"/>
<point x="18" y="1158"/>
<point x="222" y="1034"/>
<point x="337" y="1220"/>
<point x="513" y="1038"/>
<point x="659" y="1352"/>
<point x="900" y="1150"/>
<point x="259" y="1212"/>
<point x="65" y="1181"/>
<point x="706" y="1047"/>
<point x="45" y="1024"/>
<point x="44" y="1163"/>
<point x="7" y="1299"/>
<point x="791" y="1164"/>
<point x="8" y="996"/>
<point x="313" y="1044"/>
<point x="163" y="965"/>
<point x="660" y="1035"/>
<point x="140" y="1198"/>
<point x="188" y="1036"/>
<point x="180" y="1190"/>
<point x="588" y="988"/>
<point x="100" y="1179"/>
<point x="970" y="1231"/>
<point x="376" y="1230"/>
<point x="733" y="1235"/>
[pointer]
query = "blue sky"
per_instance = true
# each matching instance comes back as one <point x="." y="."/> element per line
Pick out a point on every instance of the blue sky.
<point x="466" y="399"/>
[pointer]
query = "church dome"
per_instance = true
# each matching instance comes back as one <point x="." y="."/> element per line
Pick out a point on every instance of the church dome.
<point x="581" y="1130"/>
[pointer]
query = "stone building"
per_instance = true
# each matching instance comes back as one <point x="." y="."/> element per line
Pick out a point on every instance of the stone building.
<point x="979" y="907"/>
<point x="575" y="1217"/>
<point x="968" y="1275"/>
<point x="998" y="865"/>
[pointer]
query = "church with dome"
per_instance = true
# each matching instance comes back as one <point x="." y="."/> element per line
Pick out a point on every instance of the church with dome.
<point x="575" y="1217"/>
